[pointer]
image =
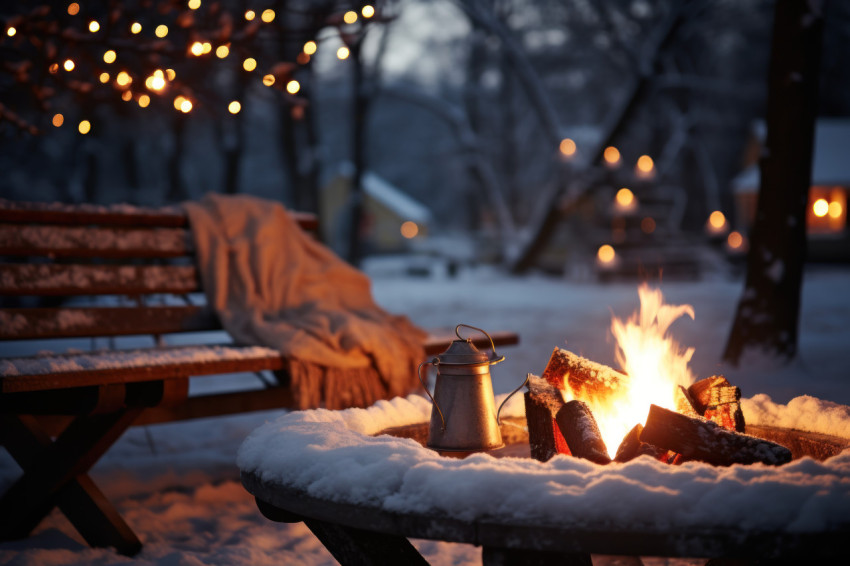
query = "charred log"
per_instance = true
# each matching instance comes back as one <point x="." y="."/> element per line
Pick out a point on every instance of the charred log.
<point x="581" y="432"/>
<point x="631" y="447"/>
<point x="585" y="378"/>
<point x="717" y="400"/>
<point x="542" y="403"/>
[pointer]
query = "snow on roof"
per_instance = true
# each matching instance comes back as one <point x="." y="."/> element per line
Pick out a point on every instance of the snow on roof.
<point x="388" y="194"/>
<point x="333" y="455"/>
<point x="831" y="166"/>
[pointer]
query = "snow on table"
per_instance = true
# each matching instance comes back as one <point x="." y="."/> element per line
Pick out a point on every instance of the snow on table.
<point x="333" y="456"/>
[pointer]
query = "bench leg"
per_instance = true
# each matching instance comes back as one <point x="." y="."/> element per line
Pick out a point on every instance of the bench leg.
<point x="55" y="475"/>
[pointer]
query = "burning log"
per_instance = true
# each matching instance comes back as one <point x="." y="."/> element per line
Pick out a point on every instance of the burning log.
<point x="717" y="400"/>
<point x="631" y="447"/>
<point x="581" y="432"/>
<point x="542" y="403"/>
<point x="685" y="403"/>
<point x="706" y="441"/>
<point x="584" y="377"/>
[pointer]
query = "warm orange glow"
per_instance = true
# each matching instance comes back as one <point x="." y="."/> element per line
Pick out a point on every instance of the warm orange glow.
<point x="168" y="73"/>
<point x="104" y="78"/>
<point x="58" y="120"/>
<point x="73" y="9"/>
<point x="268" y="80"/>
<point x="717" y="220"/>
<point x="11" y="31"/>
<point x="820" y="207"/>
<point x="135" y="27"/>
<point x="645" y="164"/>
<point x="409" y="229"/>
<point x="194" y="4"/>
<point x="94" y="26"/>
<point x="68" y="65"/>
<point x="144" y="100"/>
<point x="367" y="11"/>
<point x="109" y="56"/>
<point x="611" y="155"/>
<point x="186" y="106"/>
<point x="84" y="127"/>
<point x="647" y="225"/>
<point x="161" y="30"/>
<point x="222" y="51"/>
<point x="197" y="49"/>
<point x="350" y="17"/>
<point x="155" y="81"/>
<point x="249" y="64"/>
<point x="250" y="15"/>
<point x="267" y="16"/>
<point x="568" y="147"/>
<point x="606" y="255"/>
<point x="127" y="96"/>
<point x="302" y="58"/>
<point x="342" y="52"/>
<point x="310" y="47"/>
<point x="54" y="68"/>
<point x="123" y="78"/>
<point x="234" y="107"/>
<point x="735" y="240"/>
<point x="625" y="199"/>
<point x="835" y="209"/>
<point x="178" y="100"/>
<point x="207" y="47"/>
<point x="292" y="87"/>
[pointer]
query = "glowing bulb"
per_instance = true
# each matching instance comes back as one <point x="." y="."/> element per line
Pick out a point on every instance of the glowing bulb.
<point x="207" y="47"/>
<point x="735" y="240"/>
<point x="109" y="56"/>
<point x="350" y="17"/>
<point x="168" y="73"/>
<point x="367" y="11"/>
<point x="310" y="47"/>
<point x="144" y="100"/>
<point x="161" y="30"/>
<point x="611" y="155"/>
<point x="158" y="73"/>
<point x="717" y="219"/>
<point x="268" y="80"/>
<point x="625" y="198"/>
<point x="104" y="78"/>
<point x="178" y="100"/>
<point x="820" y="208"/>
<point x="186" y="106"/>
<point x="126" y="96"/>
<point x="342" y="52"/>
<point x="567" y="147"/>
<point x="194" y="4"/>
<point x="135" y="27"/>
<point x="123" y="78"/>
<point x="645" y="164"/>
<point x="249" y="64"/>
<point x="58" y="120"/>
<point x="605" y="254"/>
<point x="234" y="107"/>
<point x="250" y="15"/>
<point x="222" y="51"/>
<point x="835" y="209"/>
<point x="157" y="83"/>
<point x="409" y="229"/>
<point x="292" y="87"/>
<point x="73" y="9"/>
<point x="197" y="49"/>
<point x="94" y="26"/>
<point x="11" y="31"/>
<point x="267" y="16"/>
<point x="84" y="127"/>
<point x="68" y="65"/>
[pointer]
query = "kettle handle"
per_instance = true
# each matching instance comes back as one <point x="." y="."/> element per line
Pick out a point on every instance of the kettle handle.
<point x="434" y="401"/>
<point x="524" y="381"/>
<point x="496" y="357"/>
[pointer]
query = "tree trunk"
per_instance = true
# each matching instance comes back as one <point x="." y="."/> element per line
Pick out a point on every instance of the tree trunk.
<point x="768" y="310"/>
<point x="360" y="110"/>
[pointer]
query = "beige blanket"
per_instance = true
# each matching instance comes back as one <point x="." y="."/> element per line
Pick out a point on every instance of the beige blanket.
<point x="273" y="285"/>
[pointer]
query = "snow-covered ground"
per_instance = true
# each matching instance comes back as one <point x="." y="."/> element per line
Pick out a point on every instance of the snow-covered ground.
<point x="177" y="484"/>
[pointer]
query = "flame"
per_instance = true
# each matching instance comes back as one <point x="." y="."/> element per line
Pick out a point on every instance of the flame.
<point x="653" y="361"/>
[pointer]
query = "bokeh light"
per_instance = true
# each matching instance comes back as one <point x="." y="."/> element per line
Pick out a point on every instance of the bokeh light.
<point x="58" y="120"/>
<point x="249" y="64"/>
<point x="292" y="87"/>
<point x="84" y="127"/>
<point x="342" y="52"/>
<point x="234" y="107"/>
<point x="567" y="147"/>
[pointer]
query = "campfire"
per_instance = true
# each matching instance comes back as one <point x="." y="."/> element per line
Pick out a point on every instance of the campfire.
<point x="655" y="406"/>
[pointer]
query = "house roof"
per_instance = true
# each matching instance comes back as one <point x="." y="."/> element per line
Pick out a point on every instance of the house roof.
<point x="831" y="164"/>
<point x="389" y="195"/>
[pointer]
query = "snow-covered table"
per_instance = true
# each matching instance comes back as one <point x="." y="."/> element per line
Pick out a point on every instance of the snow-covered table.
<point x="365" y="495"/>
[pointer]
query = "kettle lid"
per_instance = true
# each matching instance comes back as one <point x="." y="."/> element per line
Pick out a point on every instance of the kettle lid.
<point x="462" y="352"/>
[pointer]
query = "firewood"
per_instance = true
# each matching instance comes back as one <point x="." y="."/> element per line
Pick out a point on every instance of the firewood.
<point x="542" y="403"/>
<point x="700" y="391"/>
<point x="684" y="402"/>
<point x="585" y="378"/>
<point x="631" y="447"/>
<point x="717" y="400"/>
<point x="700" y="439"/>
<point x="581" y="432"/>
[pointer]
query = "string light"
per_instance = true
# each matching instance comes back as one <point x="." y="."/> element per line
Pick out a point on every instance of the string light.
<point x="250" y="15"/>
<point x="84" y="127"/>
<point x="161" y="30"/>
<point x="54" y="68"/>
<point x="611" y="155"/>
<point x="249" y="64"/>
<point x="606" y="254"/>
<point x="625" y="199"/>
<point x="183" y="104"/>
<point x="58" y="120"/>
<point x="109" y="56"/>
<point x="73" y="9"/>
<point x="310" y="47"/>
<point x="123" y="78"/>
<point x="156" y="81"/>
<point x="342" y="52"/>
<point x="350" y="17"/>
<point x="197" y="49"/>
<point x="144" y="100"/>
<point x="222" y="51"/>
<point x="267" y="16"/>
<point x="717" y="219"/>
<point x="367" y="11"/>
<point x="94" y="26"/>
<point x="135" y="27"/>
<point x="567" y="147"/>
<point x="735" y="240"/>
<point x="645" y="164"/>
<point x="68" y="65"/>
<point x="169" y="73"/>
<point x="820" y="208"/>
<point x="302" y="58"/>
<point x="194" y="4"/>
<point x="234" y="107"/>
<point x="104" y="78"/>
<point x="409" y="229"/>
<point x="11" y="31"/>
<point x="292" y="87"/>
<point x="835" y="209"/>
<point x="268" y="80"/>
<point x="127" y="96"/>
<point x="206" y="47"/>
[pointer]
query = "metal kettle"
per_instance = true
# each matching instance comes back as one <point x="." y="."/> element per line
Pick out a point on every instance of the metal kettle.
<point x="463" y="418"/>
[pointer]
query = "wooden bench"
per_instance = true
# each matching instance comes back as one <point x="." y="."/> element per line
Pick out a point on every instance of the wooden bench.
<point x="87" y="271"/>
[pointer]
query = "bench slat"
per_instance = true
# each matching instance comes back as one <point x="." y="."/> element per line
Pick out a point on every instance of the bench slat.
<point x="68" y="280"/>
<point x="62" y="371"/>
<point x="72" y="241"/>
<point x="73" y="322"/>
